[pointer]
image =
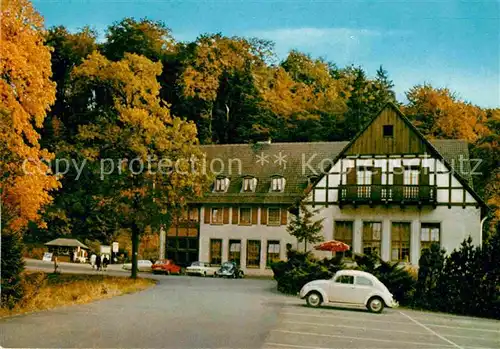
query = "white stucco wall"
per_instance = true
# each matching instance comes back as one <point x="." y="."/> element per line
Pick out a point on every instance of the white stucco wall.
<point x="456" y="223"/>
<point x="230" y="231"/>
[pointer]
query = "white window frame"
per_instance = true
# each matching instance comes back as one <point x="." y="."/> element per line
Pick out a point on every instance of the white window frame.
<point x="364" y="177"/>
<point x="277" y="184"/>
<point x="221" y="185"/>
<point x="249" y="184"/>
<point x="411" y="176"/>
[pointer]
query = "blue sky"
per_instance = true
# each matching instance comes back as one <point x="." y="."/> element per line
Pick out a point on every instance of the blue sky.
<point x="452" y="44"/>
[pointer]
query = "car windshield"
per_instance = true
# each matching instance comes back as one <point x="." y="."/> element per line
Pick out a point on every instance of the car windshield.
<point x="195" y="264"/>
<point x="159" y="262"/>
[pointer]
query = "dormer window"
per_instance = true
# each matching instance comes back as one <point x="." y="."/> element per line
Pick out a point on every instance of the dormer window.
<point x="278" y="184"/>
<point x="221" y="184"/>
<point x="249" y="184"/>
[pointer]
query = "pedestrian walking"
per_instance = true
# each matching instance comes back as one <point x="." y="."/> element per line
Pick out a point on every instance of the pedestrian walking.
<point x="98" y="262"/>
<point x="105" y="262"/>
<point x="92" y="260"/>
<point x="56" y="263"/>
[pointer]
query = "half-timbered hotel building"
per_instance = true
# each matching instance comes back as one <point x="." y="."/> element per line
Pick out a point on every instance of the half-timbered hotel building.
<point x="389" y="190"/>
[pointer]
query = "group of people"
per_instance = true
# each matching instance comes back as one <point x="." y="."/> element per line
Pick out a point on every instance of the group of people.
<point x="99" y="262"/>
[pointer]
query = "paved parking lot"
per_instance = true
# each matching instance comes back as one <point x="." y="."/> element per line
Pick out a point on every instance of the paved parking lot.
<point x="333" y="327"/>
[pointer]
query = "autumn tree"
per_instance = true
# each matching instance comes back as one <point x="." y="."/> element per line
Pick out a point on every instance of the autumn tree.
<point x="298" y="91"/>
<point x="26" y="93"/>
<point x="144" y="158"/>
<point x="487" y="181"/>
<point x="439" y="113"/>
<point x="209" y="65"/>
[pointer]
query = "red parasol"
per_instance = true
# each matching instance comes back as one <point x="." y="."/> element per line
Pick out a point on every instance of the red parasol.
<point x="333" y="246"/>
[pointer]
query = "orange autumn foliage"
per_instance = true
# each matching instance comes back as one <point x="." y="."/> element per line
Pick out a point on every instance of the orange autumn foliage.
<point x="438" y="113"/>
<point x="26" y="93"/>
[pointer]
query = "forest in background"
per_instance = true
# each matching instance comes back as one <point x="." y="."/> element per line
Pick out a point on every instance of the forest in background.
<point x="94" y="96"/>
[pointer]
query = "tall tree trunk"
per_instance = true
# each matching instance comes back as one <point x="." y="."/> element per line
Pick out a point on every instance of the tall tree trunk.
<point x="135" y="234"/>
<point x="305" y="245"/>
<point x="135" y="249"/>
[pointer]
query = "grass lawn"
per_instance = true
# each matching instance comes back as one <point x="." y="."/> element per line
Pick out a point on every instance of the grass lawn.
<point x="45" y="291"/>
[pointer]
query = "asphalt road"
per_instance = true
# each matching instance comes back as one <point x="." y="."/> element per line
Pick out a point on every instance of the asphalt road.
<point x="180" y="312"/>
<point x="195" y="312"/>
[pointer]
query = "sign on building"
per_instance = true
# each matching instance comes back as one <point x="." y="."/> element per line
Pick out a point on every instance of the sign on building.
<point x="115" y="246"/>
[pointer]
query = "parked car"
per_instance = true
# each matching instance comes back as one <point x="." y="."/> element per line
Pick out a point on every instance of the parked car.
<point x="230" y="270"/>
<point x="166" y="266"/>
<point x="350" y="287"/>
<point x="201" y="268"/>
<point x="142" y="265"/>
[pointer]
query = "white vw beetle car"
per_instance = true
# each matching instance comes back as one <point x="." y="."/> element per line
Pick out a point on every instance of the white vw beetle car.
<point x="201" y="268"/>
<point x="352" y="287"/>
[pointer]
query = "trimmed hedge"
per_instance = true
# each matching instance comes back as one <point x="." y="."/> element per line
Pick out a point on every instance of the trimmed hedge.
<point x="396" y="278"/>
<point x="301" y="268"/>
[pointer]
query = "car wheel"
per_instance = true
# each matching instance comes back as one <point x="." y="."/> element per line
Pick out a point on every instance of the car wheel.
<point x="314" y="299"/>
<point x="375" y="305"/>
<point x="167" y="272"/>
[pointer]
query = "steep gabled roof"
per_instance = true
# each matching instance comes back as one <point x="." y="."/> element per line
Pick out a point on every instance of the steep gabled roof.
<point x="450" y="147"/>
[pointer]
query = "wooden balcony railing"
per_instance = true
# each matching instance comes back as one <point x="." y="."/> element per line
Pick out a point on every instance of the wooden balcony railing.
<point x="420" y="194"/>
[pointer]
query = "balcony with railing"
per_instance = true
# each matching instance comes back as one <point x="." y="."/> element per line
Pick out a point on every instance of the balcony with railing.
<point x="402" y="194"/>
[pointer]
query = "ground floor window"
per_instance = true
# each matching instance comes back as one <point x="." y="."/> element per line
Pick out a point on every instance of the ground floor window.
<point x="253" y="253"/>
<point x="372" y="233"/>
<point x="400" y="242"/>
<point x="273" y="252"/>
<point x="343" y="232"/>
<point x="429" y="234"/>
<point x="215" y="251"/>
<point x="234" y="251"/>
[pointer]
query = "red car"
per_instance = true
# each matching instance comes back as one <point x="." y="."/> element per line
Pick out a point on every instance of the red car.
<point x="166" y="266"/>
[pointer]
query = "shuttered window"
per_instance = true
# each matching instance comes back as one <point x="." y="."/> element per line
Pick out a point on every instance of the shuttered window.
<point x="245" y="215"/>
<point x="217" y="215"/>
<point x="274" y="216"/>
